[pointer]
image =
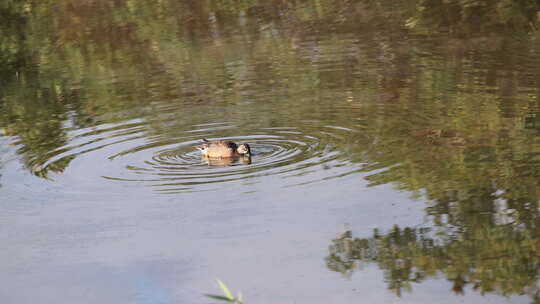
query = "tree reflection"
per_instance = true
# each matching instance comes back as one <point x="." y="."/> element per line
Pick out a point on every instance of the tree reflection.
<point x="79" y="64"/>
<point x="470" y="16"/>
<point x="486" y="256"/>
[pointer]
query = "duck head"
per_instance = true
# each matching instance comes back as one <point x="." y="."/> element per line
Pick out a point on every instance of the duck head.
<point x="244" y="149"/>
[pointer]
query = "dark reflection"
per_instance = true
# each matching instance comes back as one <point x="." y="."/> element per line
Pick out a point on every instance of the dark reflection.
<point x="475" y="16"/>
<point x="229" y="161"/>
<point x="455" y="105"/>
<point x="488" y="250"/>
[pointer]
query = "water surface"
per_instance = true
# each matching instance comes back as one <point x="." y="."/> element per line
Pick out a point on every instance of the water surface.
<point x="396" y="157"/>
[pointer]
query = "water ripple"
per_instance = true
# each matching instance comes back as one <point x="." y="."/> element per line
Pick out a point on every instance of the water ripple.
<point x="297" y="155"/>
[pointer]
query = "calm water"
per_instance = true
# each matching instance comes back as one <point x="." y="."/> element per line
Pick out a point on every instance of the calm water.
<point x="396" y="157"/>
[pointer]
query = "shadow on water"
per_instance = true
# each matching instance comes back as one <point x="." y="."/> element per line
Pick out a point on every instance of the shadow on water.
<point x="438" y="98"/>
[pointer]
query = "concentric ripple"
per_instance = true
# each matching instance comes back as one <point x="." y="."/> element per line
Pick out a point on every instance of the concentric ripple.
<point x="171" y="163"/>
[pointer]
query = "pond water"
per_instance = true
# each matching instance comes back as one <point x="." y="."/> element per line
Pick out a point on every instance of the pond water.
<point x="396" y="151"/>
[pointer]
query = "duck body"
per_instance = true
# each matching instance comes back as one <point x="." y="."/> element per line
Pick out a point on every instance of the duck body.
<point x="223" y="149"/>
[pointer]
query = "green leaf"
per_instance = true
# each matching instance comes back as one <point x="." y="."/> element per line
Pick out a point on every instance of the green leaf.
<point x="225" y="290"/>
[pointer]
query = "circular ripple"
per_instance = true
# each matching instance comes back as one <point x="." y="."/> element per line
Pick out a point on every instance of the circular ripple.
<point x="173" y="164"/>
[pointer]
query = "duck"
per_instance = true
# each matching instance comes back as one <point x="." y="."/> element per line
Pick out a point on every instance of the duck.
<point x="223" y="149"/>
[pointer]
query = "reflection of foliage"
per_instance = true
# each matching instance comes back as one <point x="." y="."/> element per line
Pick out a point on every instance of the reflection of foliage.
<point x="85" y="63"/>
<point x="37" y="122"/>
<point x="467" y="15"/>
<point x="12" y="49"/>
<point x="502" y="258"/>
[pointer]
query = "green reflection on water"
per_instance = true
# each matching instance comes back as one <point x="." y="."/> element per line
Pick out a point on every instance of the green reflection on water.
<point x="481" y="255"/>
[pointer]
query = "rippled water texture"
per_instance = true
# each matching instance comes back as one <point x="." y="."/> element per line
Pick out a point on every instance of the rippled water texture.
<point x="173" y="165"/>
<point x="395" y="151"/>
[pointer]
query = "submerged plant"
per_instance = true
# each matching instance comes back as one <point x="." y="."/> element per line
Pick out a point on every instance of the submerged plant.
<point x="227" y="294"/>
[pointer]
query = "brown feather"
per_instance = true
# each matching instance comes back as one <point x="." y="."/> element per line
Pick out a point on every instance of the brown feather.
<point x="217" y="149"/>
